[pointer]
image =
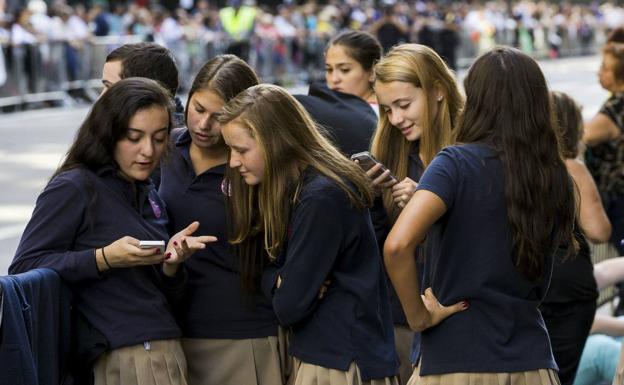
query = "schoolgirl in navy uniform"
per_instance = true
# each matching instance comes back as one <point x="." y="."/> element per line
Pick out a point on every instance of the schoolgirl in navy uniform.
<point x="419" y="106"/>
<point x="302" y="202"/>
<point x="230" y="330"/>
<point x="87" y="224"/>
<point x="494" y="209"/>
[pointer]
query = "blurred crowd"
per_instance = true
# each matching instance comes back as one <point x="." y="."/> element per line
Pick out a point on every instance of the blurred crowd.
<point x="285" y="42"/>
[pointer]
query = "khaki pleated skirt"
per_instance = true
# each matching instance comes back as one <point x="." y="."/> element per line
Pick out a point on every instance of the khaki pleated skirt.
<point x="253" y="361"/>
<point x="533" y="377"/>
<point x="151" y="363"/>
<point x="308" y="374"/>
<point x="403" y="339"/>
<point x="619" y="372"/>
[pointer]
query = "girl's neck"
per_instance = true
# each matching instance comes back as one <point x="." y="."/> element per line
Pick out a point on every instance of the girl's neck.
<point x="204" y="159"/>
<point x="370" y="97"/>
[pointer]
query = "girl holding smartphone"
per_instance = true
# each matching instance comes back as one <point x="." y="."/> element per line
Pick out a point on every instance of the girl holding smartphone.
<point x="491" y="232"/>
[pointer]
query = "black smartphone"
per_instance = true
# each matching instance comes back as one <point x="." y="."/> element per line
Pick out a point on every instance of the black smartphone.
<point x="367" y="161"/>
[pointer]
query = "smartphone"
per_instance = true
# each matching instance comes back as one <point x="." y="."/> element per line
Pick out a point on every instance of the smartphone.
<point x="151" y="244"/>
<point x="367" y="161"/>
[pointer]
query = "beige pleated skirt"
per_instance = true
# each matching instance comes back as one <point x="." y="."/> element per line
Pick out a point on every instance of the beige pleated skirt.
<point x="308" y="374"/>
<point x="151" y="363"/>
<point x="253" y="361"/>
<point x="403" y="338"/>
<point x="619" y="372"/>
<point x="533" y="377"/>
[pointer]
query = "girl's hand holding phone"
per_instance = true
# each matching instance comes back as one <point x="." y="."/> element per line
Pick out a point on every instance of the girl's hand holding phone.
<point x="380" y="180"/>
<point x="402" y="192"/>
<point x="126" y="252"/>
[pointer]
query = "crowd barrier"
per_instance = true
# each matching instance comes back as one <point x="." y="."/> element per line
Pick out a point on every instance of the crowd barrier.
<point x="57" y="71"/>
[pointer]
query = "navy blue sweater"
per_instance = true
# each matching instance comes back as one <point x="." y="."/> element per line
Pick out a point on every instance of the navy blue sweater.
<point x="331" y="240"/>
<point x="469" y="257"/>
<point x="212" y="305"/>
<point x="79" y="211"/>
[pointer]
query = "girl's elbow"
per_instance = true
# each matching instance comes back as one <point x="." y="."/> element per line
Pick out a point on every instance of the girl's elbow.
<point x="393" y="248"/>
<point x="600" y="234"/>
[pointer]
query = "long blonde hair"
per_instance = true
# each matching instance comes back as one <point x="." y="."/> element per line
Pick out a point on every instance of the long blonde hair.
<point x="290" y="142"/>
<point x="421" y="66"/>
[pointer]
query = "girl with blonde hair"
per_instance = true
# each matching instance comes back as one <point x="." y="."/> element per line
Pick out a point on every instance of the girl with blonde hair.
<point x="295" y="197"/>
<point x="419" y="105"/>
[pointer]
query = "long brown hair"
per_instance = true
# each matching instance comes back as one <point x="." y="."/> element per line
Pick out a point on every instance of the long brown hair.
<point x="420" y="66"/>
<point x="508" y="108"/>
<point x="290" y="142"/>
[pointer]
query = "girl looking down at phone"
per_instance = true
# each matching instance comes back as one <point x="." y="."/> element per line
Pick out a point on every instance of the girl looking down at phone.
<point x="300" y="201"/>
<point x="87" y="225"/>
<point x="230" y="330"/>
<point x="419" y="106"/>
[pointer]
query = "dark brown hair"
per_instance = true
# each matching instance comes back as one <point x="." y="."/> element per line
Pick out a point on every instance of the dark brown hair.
<point x="363" y="47"/>
<point x="225" y="75"/>
<point x="508" y="108"/>
<point x="147" y="60"/>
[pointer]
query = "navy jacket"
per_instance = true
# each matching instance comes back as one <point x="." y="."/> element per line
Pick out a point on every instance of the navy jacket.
<point x="212" y="304"/>
<point x="79" y="211"/>
<point x="349" y="120"/>
<point x="331" y="240"/>
<point x="35" y="328"/>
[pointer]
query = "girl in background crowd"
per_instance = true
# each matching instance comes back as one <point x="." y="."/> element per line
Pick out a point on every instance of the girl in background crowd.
<point x="230" y="329"/>
<point x="491" y="233"/>
<point x="295" y="197"/>
<point x="419" y="106"/>
<point x="87" y="225"/>
<point x="570" y="304"/>
<point x="349" y="61"/>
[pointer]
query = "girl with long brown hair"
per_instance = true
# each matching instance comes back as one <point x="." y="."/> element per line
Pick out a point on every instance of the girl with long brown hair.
<point x="230" y="331"/>
<point x="494" y="209"/>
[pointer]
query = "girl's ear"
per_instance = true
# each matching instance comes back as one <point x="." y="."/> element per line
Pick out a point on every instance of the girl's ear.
<point x="438" y="92"/>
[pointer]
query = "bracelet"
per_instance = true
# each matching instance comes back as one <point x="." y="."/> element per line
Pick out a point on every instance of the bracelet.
<point x="105" y="260"/>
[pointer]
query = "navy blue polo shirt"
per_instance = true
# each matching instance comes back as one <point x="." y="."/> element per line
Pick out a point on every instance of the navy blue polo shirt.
<point x="331" y="240"/>
<point x="468" y="257"/>
<point x="213" y="305"/>
<point x="79" y="211"/>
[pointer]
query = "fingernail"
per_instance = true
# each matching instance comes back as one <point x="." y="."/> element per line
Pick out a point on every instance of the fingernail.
<point x="158" y="251"/>
<point x="466" y="304"/>
<point x="168" y="255"/>
<point x="175" y="243"/>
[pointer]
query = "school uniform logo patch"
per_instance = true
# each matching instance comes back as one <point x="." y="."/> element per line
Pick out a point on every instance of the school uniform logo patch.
<point x="155" y="208"/>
